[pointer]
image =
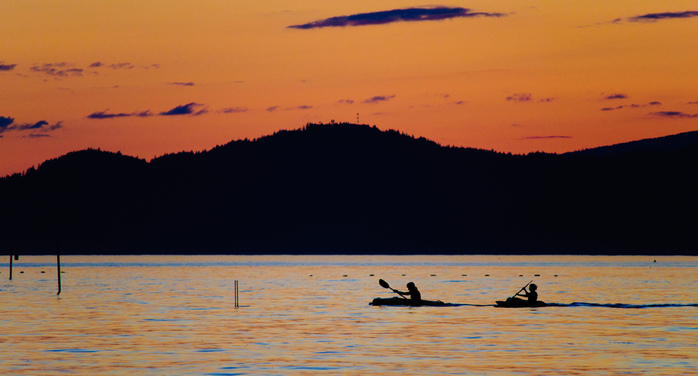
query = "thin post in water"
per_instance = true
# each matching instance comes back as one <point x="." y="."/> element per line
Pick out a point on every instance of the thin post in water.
<point x="58" y="266"/>
<point x="11" y="267"/>
<point x="237" y="302"/>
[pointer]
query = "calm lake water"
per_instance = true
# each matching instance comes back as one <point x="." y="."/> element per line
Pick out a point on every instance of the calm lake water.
<point x="176" y="315"/>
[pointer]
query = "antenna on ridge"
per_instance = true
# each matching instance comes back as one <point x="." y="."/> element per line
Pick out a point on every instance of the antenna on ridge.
<point x="357" y="118"/>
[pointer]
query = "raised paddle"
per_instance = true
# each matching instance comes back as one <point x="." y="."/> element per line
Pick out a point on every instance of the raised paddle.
<point x="385" y="284"/>
<point x="523" y="288"/>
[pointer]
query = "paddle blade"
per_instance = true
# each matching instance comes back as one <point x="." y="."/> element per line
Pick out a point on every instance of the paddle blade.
<point x="383" y="283"/>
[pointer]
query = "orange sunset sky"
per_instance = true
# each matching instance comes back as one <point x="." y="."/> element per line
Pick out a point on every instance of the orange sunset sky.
<point x="162" y="76"/>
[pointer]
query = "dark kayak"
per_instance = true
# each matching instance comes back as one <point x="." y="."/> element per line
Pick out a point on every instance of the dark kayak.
<point x="518" y="303"/>
<point x="406" y="302"/>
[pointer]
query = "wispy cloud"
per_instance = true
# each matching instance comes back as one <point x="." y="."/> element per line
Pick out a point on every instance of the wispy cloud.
<point x="543" y="137"/>
<point x="232" y="110"/>
<point x="520" y="97"/>
<point x="62" y="69"/>
<point x="124" y="65"/>
<point x="277" y="108"/>
<point x="615" y="96"/>
<point x="345" y="101"/>
<point x="379" y="99"/>
<point x="8" y="124"/>
<point x="396" y="15"/>
<point x="67" y="69"/>
<point x="105" y="115"/>
<point x="673" y="114"/>
<point x="6" y="67"/>
<point x="654" y="17"/>
<point x="634" y="105"/>
<point x="194" y="109"/>
<point x="182" y="83"/>
<point x="145" y="113"/>
<point x="121" y="66"/>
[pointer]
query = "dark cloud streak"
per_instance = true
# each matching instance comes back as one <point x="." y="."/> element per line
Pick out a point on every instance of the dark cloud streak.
<point x="5" y="122"/>
<point x="379" y="99"/>
<point x="395" y="15"/>
<point x="194" y="109"/>
<point x="8" y="124"/>
<point x="105" y="115"/>
<point x="654" y="17"/>
<point x="616" y="96"/>
<point x="673" y="114"/>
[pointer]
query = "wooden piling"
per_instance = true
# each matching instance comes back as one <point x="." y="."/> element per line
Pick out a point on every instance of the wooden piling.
<point x="237" y="301"/>
<point x="58" y="267"/>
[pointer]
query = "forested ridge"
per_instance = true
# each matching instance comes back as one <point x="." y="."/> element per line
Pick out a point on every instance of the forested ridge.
<point x="354" y="189"/>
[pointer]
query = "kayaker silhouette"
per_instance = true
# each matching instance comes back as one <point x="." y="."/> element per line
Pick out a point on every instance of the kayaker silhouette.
<point x="413" y="292"/>
<point x="415" y="299"/>
<point x="531" y="296"/>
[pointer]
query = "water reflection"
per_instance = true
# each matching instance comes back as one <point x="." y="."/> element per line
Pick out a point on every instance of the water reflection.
<point x="301" y="315"/>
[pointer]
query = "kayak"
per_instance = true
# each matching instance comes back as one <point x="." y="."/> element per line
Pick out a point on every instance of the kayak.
<point x="519" y="304"/>
<point x="406" y="302"/>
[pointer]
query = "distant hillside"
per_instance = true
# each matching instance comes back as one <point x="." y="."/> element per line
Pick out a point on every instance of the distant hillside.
<point x="661" y="144"/>
<point x="354" y="189"/>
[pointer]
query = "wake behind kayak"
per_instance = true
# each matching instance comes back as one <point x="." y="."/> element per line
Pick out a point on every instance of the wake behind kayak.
<point x="511" y="303"/>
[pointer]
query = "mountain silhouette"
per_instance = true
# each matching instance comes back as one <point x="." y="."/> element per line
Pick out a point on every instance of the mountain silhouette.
<point x="354" y="189"/>
<point x="666" y="143"/>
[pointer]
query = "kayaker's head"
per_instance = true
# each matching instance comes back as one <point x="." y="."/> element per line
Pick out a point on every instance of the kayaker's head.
<point x="411" y="286"/>
<point x="533" y="287"/>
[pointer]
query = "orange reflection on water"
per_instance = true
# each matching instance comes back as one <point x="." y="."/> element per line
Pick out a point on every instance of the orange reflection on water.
<point x="175" y="315"/>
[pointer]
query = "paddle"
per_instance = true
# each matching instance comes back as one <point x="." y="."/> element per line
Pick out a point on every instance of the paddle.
<point x="385" y="284"/>
<point x="523" y="288"/>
